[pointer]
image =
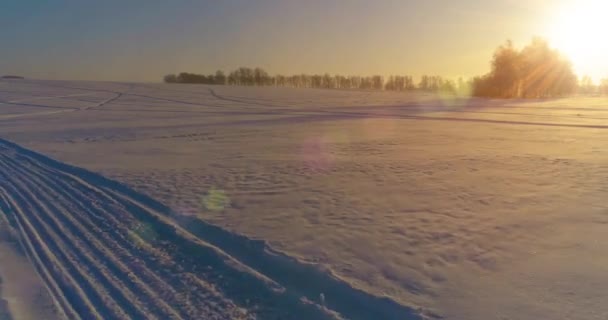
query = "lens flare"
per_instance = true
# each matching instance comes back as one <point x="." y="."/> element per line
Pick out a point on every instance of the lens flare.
<point x="316" y="153"/>
<point x="216" y="200"/>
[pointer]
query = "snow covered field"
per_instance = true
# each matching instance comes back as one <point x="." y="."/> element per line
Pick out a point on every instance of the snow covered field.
<point x="460" y="208"/>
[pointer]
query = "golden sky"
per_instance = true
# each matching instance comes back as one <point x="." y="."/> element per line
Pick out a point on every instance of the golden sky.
<point x="143" y="40"/>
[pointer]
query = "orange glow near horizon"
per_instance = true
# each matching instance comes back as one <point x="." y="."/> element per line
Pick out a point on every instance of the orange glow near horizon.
<point x="578" y="31"/>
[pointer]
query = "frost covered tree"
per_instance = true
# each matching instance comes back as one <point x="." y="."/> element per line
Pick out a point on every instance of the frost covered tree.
<point x="170" y="78"/>
<point x="536" y="71"/>
<point x="603" y="89"/>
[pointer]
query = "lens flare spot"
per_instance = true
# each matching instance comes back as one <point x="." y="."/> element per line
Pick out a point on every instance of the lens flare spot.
<point x="315" y="153"/>
<point x="215" y="200"/>
<point x="142" y="233"/>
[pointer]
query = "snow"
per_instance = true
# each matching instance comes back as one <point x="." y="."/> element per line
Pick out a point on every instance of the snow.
<point x="465" y="208"/>
<point x="21" y="289"/>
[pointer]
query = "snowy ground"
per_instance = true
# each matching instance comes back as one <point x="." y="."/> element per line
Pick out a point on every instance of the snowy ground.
<point x="464" y="208"/>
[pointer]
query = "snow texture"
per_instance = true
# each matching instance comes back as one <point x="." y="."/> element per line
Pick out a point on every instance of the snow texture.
<point x="369" y="205"/>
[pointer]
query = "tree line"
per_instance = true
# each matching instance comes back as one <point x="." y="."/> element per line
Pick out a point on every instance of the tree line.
<point x="259" y="77"/>
<point x="587" y="87"/>
<point x="535" y="71"/>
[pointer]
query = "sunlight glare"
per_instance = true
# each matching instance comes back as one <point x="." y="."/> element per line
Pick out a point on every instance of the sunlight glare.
<point x="578" y="31"/>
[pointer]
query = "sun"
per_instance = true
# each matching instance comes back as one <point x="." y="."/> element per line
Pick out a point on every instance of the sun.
<point x="578" y="30"/>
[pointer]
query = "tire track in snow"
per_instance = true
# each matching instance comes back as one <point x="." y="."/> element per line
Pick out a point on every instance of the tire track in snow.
<point x="46" y="98"/>
<point x="108" y="313"/>
<point x="36" y="114"/>
<point x="94" y="303"/>
<point x="152" y="282"/>
<point x="92" y="252"/>
<point x="107" y="101"/>
<point x="40" y="255"/>
<point x="27" y="103"/>
<point x="81" y="235"/>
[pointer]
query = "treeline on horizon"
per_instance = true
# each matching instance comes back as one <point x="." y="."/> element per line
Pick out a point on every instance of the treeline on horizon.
<point x="535" y="71"/>
<point x="244" y="76"/>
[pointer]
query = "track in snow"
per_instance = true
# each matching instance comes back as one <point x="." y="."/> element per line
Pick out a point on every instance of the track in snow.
<point x="107" y="252"/>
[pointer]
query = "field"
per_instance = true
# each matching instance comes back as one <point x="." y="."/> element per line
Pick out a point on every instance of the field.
<point x="192" y="201"/>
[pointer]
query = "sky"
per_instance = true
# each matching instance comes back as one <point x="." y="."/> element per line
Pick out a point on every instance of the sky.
<point x="131" y="40"/>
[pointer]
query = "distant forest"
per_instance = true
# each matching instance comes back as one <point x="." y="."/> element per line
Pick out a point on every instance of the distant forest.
<point x="11" y="77"/>
<point x="536" y="71"/>
<point x="259" y="77"/>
